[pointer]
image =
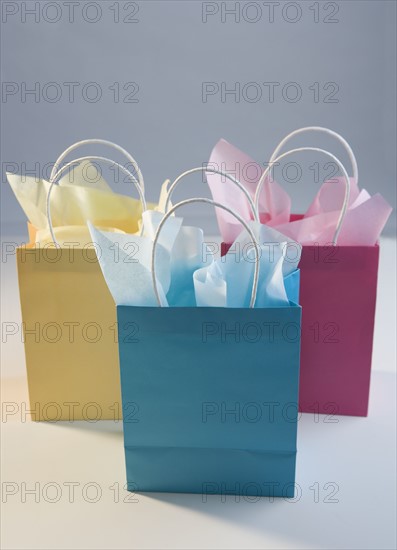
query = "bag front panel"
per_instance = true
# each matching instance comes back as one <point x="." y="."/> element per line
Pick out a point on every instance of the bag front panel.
<point x="69" y="325"/>
<point x="338" y="298"/>
<point x="206" y="390"/>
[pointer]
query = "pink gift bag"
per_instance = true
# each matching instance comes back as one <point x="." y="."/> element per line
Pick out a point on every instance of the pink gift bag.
<point x="339" y="267"/>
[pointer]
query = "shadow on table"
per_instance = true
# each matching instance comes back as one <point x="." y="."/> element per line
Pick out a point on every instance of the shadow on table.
<point x="114" y="428"/>
<point x="307" y="521"/>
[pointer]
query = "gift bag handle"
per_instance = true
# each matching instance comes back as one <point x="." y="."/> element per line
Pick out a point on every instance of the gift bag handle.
<point x="340" y="166"/>
<point x="95" y="141"/>
<point x="327" y="131"/>
<point x="223" y="207"/>
<point x="57" y="175"/>
<point x="213" y="171"/>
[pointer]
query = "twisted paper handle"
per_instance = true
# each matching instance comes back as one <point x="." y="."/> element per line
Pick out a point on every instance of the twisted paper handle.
<point x="213" y="171"/>
<point x="218" y="205"/>
<point x="324" y="131"/>
<point x="95" y="141"/>
<point x="57" y="175"/>
<point x="335" y="159"/>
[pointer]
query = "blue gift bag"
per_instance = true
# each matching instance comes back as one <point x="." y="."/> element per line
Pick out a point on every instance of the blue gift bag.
<point x="210" y="399"/>
<point x="209" y="394"/>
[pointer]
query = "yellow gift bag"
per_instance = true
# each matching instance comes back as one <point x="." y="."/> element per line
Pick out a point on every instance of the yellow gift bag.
<point x="68" y="313"/>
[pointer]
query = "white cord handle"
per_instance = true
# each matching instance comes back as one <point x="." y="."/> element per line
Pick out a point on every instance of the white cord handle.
<point x="340" y="166"/>
<point x="54" y="178"/>
<point x="325" y="131"/>
<point x="213" y="171"/>
<point x="95" y="141"/>
<point x="227" y="209"/>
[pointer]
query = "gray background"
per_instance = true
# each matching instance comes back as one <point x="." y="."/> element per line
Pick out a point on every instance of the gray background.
<point x="169" y="52"/>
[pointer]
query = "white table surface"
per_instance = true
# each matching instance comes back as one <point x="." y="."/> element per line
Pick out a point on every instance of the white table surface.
<point x="353" y="458"/>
